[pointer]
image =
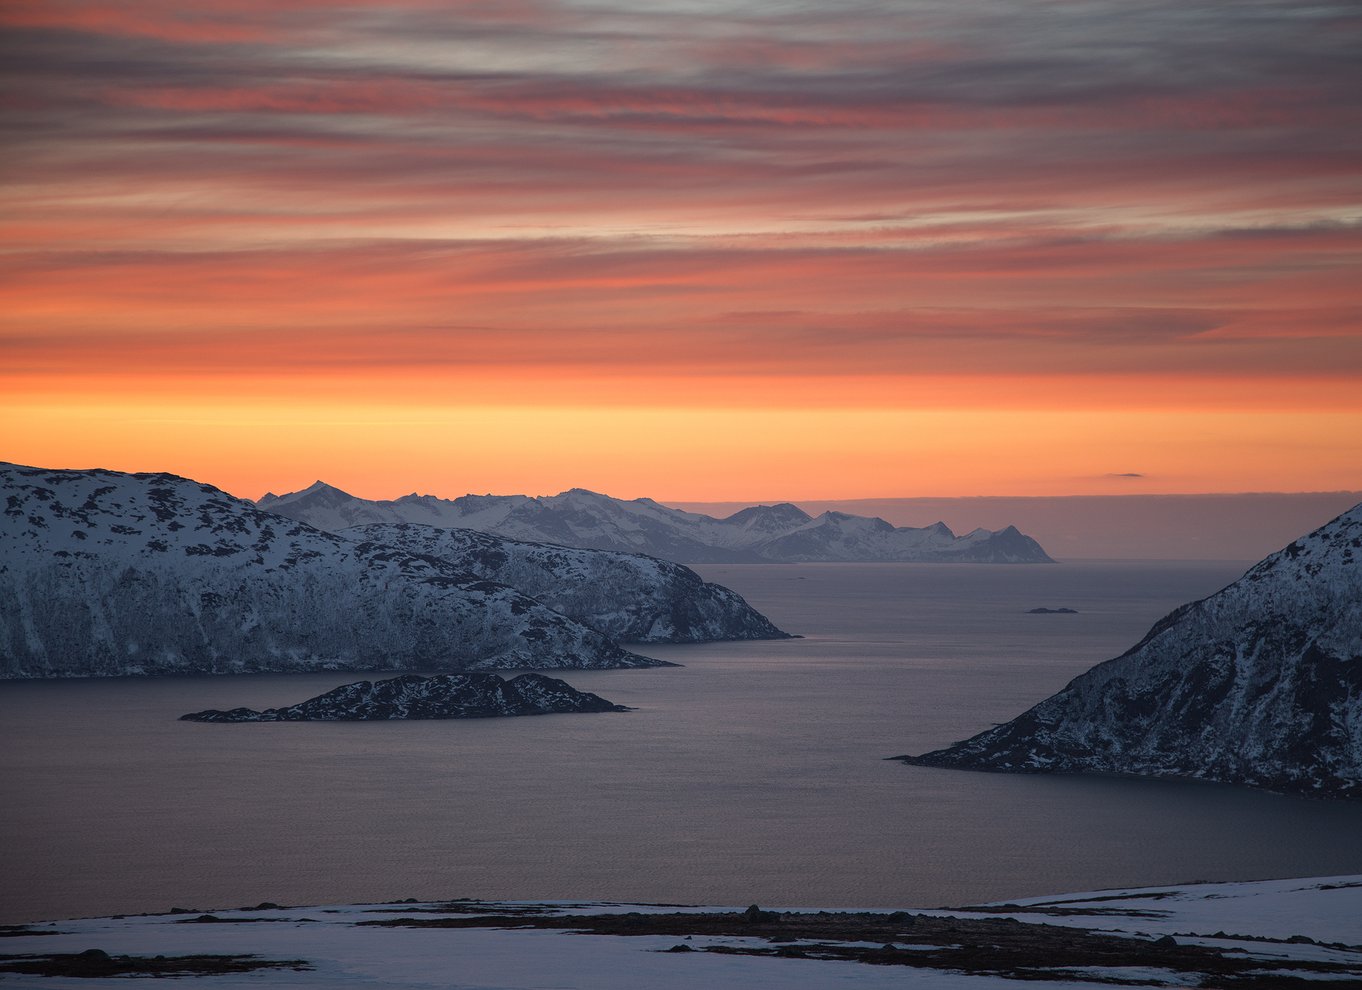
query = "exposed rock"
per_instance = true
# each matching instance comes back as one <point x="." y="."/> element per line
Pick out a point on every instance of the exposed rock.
<point x="98" y="964"/>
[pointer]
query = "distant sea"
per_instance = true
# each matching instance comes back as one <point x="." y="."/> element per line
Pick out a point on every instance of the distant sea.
<point x="755" y="773"/>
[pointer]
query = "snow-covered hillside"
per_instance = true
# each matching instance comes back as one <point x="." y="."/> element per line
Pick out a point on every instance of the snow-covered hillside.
<point x="105" y="573"/>
<point x="579" y="518"/>
<point x="629" y="597"/>
<point x="1259" y="684"/>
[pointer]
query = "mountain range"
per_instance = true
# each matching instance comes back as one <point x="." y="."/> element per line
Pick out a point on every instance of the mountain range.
<point x="580" y="518"/>
<point x="1259" y="684"/>
<point x="106" y="573"/>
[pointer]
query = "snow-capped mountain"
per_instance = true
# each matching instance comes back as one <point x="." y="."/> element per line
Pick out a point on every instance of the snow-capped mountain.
<point x="579" y="518"/>
<point x="629" y="597"/>
<point x="842" y="537"/>
<point x="105" y="573"/>
<point x="411" y="696"/>
<point x="1259" y="684"/>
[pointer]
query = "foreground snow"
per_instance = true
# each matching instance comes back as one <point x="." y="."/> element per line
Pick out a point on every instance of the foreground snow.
<point x="1326" y="909"/>
<point x="1251" y="920"/>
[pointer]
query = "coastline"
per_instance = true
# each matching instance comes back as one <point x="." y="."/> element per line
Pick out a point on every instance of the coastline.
<point x="1254" y="934"/>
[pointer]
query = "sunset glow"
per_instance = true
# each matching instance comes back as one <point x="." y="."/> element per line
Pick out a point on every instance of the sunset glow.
<point x="768" y="250"/>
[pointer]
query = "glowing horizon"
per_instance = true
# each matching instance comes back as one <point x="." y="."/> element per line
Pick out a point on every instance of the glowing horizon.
<point x="768" y="253"/>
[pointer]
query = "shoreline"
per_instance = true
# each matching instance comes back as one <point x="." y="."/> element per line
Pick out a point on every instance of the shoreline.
<point x="1259" y="935"/>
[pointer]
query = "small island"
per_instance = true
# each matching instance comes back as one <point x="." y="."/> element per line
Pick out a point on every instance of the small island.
<point x="473" y="695"/>
<point x="1052" y="611"/>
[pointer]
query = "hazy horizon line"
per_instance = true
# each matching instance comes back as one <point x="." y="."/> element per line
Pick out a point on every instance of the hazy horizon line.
<point x="283" y="490"/>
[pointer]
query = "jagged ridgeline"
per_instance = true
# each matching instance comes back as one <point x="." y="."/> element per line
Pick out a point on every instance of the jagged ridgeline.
<point x="105" y="573"/>
<point x="630" y="597"/>
<point x="1259" y="684"/>
<point x="579" y="518"/>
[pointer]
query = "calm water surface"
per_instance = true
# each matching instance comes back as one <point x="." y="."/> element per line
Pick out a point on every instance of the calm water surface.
<point x="754" y="773"/>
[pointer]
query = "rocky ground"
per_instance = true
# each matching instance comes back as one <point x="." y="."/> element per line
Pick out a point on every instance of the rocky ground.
<point x="1269" y="935"/>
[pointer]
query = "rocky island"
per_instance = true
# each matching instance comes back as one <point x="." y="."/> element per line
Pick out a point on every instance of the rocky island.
<point x="414" y="697"/>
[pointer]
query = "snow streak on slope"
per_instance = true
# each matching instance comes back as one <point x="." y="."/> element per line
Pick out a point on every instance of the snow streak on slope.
<point x="104" y="573"/>
<point x="579" y="518"/>
<point x="1259" y="684"/>
<point x="629" y="597"/>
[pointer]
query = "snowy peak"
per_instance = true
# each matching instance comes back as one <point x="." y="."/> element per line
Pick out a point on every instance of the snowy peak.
<point x="327" y="507"/>
<point x="1260" y="684"/>
<point x="1318" y="557"/>
<point x="95" y="514"/>
<point x="584" y="494"/>
<point x="846" y="521"/>
<point x="317" y="491"/>
<point x="768" y="519"/>
<point x="585" y="519"/>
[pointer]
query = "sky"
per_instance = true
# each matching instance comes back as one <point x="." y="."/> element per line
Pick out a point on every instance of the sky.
<point x="751" y="250"/>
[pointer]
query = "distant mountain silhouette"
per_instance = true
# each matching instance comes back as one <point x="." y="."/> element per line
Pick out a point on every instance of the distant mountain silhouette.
<point x="580" y="518"/>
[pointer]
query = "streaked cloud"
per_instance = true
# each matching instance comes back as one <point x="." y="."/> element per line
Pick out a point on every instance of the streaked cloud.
<point x="1164" y="190"/>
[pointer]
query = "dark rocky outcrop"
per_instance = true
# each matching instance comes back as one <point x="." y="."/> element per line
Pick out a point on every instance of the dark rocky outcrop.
<point x="413" y="697"/>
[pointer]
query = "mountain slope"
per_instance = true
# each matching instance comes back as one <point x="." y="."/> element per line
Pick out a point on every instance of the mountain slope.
<point x="104" y="573"/>
<point x="1259" y="684"/>
<point x="629" y="597"/>
<point x="579" y="518"/>
<point x="414" y="697"/>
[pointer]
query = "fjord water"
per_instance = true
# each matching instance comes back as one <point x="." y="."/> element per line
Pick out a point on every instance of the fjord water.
<point x="753" y="773"/>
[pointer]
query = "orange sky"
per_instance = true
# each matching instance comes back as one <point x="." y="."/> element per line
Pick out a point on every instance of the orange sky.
<point x="959" y="249"/>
